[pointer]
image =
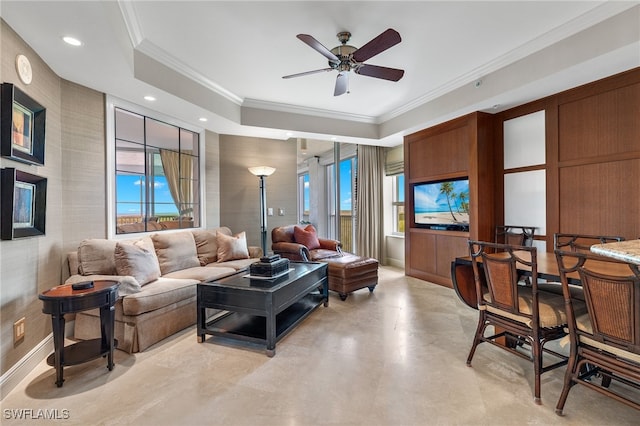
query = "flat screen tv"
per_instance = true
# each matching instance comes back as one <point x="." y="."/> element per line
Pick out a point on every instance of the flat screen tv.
<point x="442" y="205"/>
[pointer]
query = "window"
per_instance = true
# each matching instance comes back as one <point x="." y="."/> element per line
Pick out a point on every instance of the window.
<point x="157" y="174"/>
<point x="398" y="204"/>
<point x="303" y="198"/>
<point x="345" y="211"/>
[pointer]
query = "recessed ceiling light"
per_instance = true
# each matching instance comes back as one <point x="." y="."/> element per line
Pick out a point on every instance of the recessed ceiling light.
<point x="203" y="119"/>
<point x="149" y="98"/>
<point x="72" y="41"/>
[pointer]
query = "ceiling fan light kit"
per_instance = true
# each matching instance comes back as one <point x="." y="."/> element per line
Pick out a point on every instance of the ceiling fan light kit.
<point x="345" y="58"/>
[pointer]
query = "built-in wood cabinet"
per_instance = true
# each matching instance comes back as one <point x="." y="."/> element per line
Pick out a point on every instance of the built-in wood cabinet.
<point x="462" y="147"/>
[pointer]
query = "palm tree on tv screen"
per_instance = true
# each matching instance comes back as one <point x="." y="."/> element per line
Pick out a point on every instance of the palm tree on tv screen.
<point x="446" y="188"/>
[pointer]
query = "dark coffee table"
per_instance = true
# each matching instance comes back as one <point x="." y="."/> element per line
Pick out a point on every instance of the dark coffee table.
<point x="262" y="311"/>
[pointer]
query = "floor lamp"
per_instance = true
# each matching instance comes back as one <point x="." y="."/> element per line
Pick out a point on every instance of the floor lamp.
<point x="262" y="172"/>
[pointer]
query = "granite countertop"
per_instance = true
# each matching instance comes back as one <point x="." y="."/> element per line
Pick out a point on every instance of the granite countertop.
<point x="629" y="251"/>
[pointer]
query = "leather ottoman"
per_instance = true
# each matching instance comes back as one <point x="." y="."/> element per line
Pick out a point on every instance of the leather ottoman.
<point x="349" y="273"/>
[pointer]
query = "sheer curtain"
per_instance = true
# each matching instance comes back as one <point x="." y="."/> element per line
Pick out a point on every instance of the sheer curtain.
<point x="181" y="190"/>
<point x="369" y="208"/>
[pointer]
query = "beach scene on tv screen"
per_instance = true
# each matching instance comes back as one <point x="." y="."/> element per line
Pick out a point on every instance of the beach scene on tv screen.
<point x="442" y="203"/>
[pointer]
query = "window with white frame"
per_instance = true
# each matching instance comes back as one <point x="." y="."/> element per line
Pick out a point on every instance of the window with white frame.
<point x="342" y="209"/>
<point x="398" y="204"/>
<point x="304" y="209"/>
<point x="156" y="174"/>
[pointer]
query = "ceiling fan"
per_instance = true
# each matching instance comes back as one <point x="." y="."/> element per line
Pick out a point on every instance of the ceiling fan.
<point x="345" y="58"/>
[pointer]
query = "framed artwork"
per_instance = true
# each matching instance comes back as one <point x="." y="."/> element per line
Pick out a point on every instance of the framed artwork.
<point x="23" y="208"/>
<point x="22" y="125"/>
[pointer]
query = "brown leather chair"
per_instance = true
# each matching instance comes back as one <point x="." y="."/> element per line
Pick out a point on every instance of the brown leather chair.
<point x="346" y="272"/>
<point x="284" y="244"/>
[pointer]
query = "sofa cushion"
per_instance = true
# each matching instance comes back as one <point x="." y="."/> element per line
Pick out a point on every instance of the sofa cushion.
<point x="162" y="292"/>
<point x="206" y="244"/>
<point x="237" y="264"/>
<point x="175" y="251"/>
<point x="137" y="259"/>
<point x="202" y="273"/>
<point x="232" y="247"/>
<point x="307" y="237"/>
<point x="96" y="256"/>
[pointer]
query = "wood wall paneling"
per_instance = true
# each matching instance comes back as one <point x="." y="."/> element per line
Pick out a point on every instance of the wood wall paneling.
<point x="448" y="247"/>
<point x="599" y="199"/>
<point x="421" y="256"/>
<point x="439" y="155"/>
<point x="600" y="125"/>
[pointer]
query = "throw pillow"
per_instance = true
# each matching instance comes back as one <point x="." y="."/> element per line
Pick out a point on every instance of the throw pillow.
<point x="95" y="257"/>
<point x="232" y="247"/>
<point x="175" y="251"/>
<point x="137" y="259"/>
<point x="206" y="245"/>
<point x="307" y="237"/>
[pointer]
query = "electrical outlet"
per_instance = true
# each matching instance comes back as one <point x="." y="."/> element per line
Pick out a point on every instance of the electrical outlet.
<point x="18" y="330"/>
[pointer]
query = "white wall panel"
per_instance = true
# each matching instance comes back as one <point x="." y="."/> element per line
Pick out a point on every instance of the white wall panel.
<point x="524" y="141"/>
<point x="525" y="200"/>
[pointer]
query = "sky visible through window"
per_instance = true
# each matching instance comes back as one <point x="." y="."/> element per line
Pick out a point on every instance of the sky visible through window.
<point x="345" y="185"/>
<point x="307" y="204"/>
<point x="130" y="195"/>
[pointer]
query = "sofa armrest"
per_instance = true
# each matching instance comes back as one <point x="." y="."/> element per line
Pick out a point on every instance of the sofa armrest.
<point x="292" y="251"/>
<point x="128" y="284"/>
<point x="255" y="252"/>
<point x="330" y="244"/>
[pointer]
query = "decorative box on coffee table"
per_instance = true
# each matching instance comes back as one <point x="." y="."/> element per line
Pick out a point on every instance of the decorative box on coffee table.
<point x="269" y="267"/>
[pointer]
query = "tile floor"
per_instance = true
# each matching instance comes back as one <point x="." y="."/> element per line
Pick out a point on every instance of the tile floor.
<point x="392" y="357"/>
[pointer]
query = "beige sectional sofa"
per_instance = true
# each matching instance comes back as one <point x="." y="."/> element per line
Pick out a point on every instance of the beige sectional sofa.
<point x="158" y="274"/>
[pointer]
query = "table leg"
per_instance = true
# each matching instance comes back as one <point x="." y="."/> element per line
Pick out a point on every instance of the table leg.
<point x="201" y="318"/>
<point x="325" y="292"/>
<point x="57" y="323"/>
<point x="107" y="319"/>
<point x="271" y="334"/>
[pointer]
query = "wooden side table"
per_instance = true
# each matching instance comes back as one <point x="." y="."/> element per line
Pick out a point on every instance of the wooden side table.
<point x="62" y="300"/>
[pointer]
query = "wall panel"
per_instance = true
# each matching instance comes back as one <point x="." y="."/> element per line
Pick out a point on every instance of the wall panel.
<point x="604" y="124"/>
<point x="599" y="199"/>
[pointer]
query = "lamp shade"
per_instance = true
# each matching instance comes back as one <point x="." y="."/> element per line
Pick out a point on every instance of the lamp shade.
<point x="262" y="170"/>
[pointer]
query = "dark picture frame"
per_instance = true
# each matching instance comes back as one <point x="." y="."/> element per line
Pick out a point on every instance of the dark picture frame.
<point x="22" y="126"/>
<point x="23" y="206"/>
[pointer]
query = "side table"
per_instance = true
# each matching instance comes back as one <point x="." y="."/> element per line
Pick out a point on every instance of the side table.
<point x="62" y="300"/>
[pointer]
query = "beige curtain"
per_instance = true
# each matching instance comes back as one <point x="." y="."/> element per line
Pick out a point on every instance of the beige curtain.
<point x="176" y="165"/>
<point x="369" y="208"/>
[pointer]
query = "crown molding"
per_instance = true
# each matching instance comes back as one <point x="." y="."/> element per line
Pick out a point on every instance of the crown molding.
<point x="131" y="22"/>
<point x="316" y="112"/>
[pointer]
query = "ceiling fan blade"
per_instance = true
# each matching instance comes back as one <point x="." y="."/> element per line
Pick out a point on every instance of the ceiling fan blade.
<point x="376" y="71"/>
<point x="379" y="44"/>
<point x="342" y="84"/>
<point x="315" y="44"/>
<point x="300" y="74"/>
